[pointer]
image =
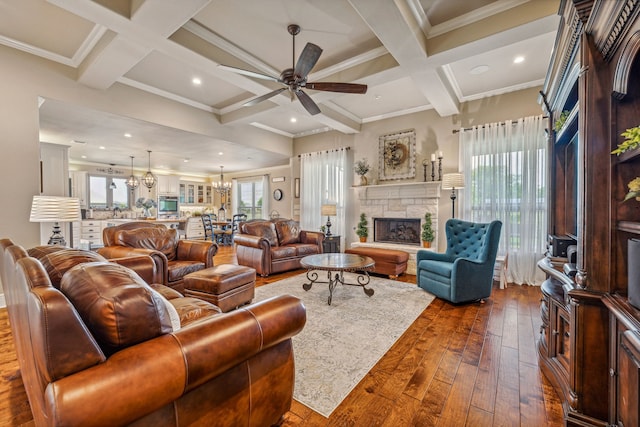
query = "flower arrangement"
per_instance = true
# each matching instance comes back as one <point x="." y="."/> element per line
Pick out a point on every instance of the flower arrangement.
<point x="631" y="142"/>
<point x="634" y="189"/>
<point x="361" y="167"/>
<point x="145" y="203"/>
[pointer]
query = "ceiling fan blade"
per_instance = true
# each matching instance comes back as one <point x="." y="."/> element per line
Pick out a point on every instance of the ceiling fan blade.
<point x="338" y="87"/>
<point x="264" y="97"/>
<point x="248" y="73"/>
<point x="308" y="103"/>
<point x="308" y="58"/>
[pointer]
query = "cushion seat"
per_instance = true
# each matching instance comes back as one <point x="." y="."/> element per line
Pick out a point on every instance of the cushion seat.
<point x="388" y="261"/>
<point x="226" y="285"/>
<point x="440" y="268"/>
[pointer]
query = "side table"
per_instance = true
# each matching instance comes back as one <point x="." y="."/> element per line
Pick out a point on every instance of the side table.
<point x="331" y="244"/>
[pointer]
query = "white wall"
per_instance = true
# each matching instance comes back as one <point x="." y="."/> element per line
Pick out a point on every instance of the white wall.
<point x="433" y="133"/>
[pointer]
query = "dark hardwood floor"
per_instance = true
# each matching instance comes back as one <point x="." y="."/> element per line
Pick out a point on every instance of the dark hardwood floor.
<point x="468" y="365"/>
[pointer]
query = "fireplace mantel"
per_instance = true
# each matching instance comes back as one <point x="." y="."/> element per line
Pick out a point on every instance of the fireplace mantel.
<point x="429" y="189"/>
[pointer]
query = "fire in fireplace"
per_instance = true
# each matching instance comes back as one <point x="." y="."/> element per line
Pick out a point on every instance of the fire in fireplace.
<point x="404" y="231"/>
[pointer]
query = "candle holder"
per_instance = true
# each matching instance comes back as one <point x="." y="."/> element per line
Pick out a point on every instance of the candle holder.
<point x="424" y="167"/>
<point x="433" y="170"/>
<point x="439" y="168"/>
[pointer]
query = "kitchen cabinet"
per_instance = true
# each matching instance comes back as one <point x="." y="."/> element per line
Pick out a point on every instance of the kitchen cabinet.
<point x="87" y="234"/>
<point x="193" y="193"/>
<point x="194" y="228"/>
<point x="168" y="185"/>
<point x="79" y="187"/>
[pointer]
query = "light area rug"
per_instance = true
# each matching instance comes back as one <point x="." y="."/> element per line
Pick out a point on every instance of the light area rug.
<point x="341" y="342"/>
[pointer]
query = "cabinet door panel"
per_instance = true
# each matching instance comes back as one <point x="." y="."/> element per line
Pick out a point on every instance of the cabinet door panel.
<point x="628" y="379"/>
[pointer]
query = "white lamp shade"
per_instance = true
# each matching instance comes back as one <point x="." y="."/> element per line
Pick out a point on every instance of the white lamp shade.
<point x="55" y="209"/>
<point x="328" y="210"/>
<point x="452" y="180"/>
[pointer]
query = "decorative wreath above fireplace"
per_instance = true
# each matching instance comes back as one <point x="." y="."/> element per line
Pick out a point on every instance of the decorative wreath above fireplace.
<point x="397" y="154"/>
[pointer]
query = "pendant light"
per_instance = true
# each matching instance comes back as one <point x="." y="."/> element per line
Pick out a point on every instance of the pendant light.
<point x="149" y="179"/>
<point x="132" y="182"/>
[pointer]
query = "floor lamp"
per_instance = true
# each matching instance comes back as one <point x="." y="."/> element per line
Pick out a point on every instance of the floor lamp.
<point x="55" y="209"/>
<point x="453" y="182"/>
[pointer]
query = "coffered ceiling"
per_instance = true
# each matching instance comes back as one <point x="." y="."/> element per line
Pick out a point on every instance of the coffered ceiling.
<point x="414" y="55"/>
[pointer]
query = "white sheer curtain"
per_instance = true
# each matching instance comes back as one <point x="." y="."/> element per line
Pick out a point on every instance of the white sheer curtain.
<point x="504" y="166"/>
<point x="324" y="179"/>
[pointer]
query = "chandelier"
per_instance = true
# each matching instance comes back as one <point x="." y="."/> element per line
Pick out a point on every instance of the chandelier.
<point x="221" y="186"/>
<point x="149" y="179"/>
<point x="132" y="182"/>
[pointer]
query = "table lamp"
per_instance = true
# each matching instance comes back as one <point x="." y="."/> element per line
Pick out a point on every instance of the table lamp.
<point x="329" y="211"/>
<point x="453" y="182"/>
<point x="55" y="209"/>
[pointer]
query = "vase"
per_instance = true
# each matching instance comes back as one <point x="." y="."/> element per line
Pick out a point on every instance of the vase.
<point x="146" y="213"/>
<point x="363" y="180"/>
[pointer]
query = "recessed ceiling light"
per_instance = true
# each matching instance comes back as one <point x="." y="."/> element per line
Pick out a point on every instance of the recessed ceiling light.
<point x="196" y="81"/>
<point x="293" y="120"/>
<point x="101" y="147"/>
<point x="378" y="97"/>
<point x="186" y="160"/>
<point x="479" y="69"/>
<point x="220" y="153"/>
<point x="83" y="156"/>
<point x="127" y="135"/>
<point x="518" y="59"/>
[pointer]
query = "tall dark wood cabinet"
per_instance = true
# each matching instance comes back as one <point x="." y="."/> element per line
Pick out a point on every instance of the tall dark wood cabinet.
<point x="589" y="344"/>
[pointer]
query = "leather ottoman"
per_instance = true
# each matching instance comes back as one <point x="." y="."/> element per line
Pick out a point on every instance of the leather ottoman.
<point x="388" y="261"/>
<point x="226" y="285"/>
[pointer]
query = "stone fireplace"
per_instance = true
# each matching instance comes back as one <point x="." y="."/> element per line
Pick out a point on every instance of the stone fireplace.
<point x="399" y="205"/>
<point x="403" y="231"/>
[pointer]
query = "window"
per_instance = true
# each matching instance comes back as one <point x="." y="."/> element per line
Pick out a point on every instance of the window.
<point x="249" y="197"/>
<point x="102" y="196"/>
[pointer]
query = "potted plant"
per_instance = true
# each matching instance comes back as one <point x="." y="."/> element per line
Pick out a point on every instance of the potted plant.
<point x="361" y="168"/>
<point x="361" y="230"/>
<point x="631" y="142"/>
<point x="427" y="235"/>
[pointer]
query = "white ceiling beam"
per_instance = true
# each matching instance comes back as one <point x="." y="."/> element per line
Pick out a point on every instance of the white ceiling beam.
<point x="403" y="36"/>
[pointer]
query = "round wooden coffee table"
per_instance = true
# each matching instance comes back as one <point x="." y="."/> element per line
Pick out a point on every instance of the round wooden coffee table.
<point x="335" y="264"/>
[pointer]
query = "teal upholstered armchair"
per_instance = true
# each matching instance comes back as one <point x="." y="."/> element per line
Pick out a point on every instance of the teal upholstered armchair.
<point x="465" y="272"/>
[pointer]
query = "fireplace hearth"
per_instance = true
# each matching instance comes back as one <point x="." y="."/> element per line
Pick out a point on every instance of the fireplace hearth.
<point x="403" y="231"/>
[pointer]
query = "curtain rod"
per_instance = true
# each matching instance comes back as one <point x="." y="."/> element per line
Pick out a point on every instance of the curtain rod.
<point x="500" y="124"/>
<point x="325" y="151"/>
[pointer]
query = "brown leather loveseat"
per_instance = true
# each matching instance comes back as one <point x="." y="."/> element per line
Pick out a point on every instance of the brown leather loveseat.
<point x="175" y="258"/>
<point x="98" y="346"/>
<point x="274" y="246"/>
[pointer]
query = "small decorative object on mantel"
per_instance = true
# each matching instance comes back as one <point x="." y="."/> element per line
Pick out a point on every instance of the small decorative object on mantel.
<point x="397" y="155"/>
<point x="427" y="235"/>
<point x="634" y="190"/>
<point x="361" y="168"/>
<point x="631" y="142"/>
<point x="361" y="230"/>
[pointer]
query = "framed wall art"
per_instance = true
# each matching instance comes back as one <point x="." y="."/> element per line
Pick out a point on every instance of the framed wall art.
<point x="397" y="155"/>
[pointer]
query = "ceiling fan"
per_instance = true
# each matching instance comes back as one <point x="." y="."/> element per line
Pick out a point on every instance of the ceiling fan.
<point x="295" y="78"/>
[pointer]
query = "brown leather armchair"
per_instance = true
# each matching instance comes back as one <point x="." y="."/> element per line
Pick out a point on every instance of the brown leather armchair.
<point x="175" y="257"/>
<point x="103" y="332"/>
<point x="274" y="246"/>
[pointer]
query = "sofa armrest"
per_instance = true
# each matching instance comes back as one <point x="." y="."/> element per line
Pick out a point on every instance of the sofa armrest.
<point x="422" y="255"/>
<point x="160" y="259"/>
<point x="252" y="241"/>
<point x="166" y="367"/>
<point x="314" y="237"/>
<point x="144" y="266"/>
<point x="197" y="250"/>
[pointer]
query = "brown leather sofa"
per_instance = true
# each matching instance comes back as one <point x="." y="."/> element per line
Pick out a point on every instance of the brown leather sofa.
<point x="274" y="246"/>
<point x="98" y="346"/>
<point x="175" y="258"/>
